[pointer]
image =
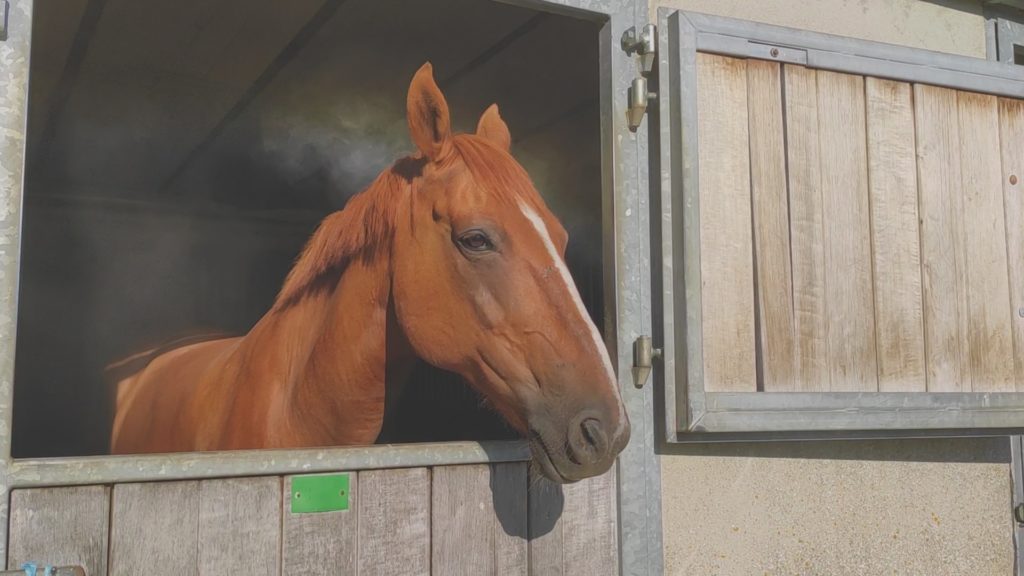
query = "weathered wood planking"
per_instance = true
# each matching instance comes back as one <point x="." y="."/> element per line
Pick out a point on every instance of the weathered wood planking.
<point x="1011" y="135"/>
<point x="589" y="534"/>
<point x="990" y="340"/>
<point x="844" y="190"/>
<point x="896" y="248"/>
<point x="153" y="529"/>
<point x="478" y="520"/>
<point x="545" y="504"/>
<point x="321" y="543"/>
<point x="240" y="526"/>
<point x="509" y="484"/>
<point x="60" y="527"/>
<point x="573" y="527"/>
<point x="943" y="260"/>
<point x="726" y="243"/>
<point x="807" y="232"/>
<point x="394" y="522"/>
<point x="768" y="189"/>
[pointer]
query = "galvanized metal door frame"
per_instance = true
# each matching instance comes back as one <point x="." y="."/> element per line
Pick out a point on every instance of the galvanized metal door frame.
<point x="627" y="288"/>
<point x="1017" y="479"/>
<point x="690" y="413"/>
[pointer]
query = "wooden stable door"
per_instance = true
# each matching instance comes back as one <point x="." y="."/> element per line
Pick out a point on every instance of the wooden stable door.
<point x="473" y="520"/>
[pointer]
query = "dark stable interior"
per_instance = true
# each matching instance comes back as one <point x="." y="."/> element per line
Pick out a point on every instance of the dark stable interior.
<point x="180" y="154"/>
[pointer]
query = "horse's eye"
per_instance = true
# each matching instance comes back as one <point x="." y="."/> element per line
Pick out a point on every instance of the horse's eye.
<point x="476" y="241"/>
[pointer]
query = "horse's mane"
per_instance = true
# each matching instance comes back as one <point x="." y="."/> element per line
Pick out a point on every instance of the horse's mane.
<point x="366" y="224"/>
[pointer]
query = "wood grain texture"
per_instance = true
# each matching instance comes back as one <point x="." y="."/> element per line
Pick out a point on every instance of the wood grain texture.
<point x="60" y="527"/>
<point x="943" y="260"/>
<point x="895" y="235"/>
<point x="467" y="534"/>
<point x="509" y="483"/>
<point x="774" y="289"/>
<point x="546" y="504"/>
<point x="154" y="529"/>
<point x="990" y="340"/>
<point x="844" y="190"/>
<point x="1011" y="136"/>
<point x="240" y="526"/>
<point x="807" y="232"/>
<point x="394" y="522"/>
<point x="589" y="532"/>
<point x="321" y="543"/>
<point x="726" y="244"/>
<point x="573" y="527"/>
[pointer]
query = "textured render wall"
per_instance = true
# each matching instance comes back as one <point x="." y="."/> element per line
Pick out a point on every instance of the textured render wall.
<point x="929" y="507"/>
<point x="955" y="26"/>
<point x="935" y="508"/>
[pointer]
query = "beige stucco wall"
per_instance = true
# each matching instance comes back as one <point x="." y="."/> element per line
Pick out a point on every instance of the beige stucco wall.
<point x="955" y="26"/>
<point x="928" y="507"/>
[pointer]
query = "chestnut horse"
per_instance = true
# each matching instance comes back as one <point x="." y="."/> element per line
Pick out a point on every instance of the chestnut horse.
<point x="450" y="256"/>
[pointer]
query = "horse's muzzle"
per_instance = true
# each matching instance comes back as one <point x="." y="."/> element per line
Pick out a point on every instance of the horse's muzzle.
<point x="586" y="448"/>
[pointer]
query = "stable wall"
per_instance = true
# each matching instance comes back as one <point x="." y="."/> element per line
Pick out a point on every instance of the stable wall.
<point x="856" y="507"/>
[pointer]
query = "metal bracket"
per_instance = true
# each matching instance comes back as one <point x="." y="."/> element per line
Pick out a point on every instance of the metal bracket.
<point x="644" y="354"/>
<point x="645" y="47"/>
<point x="5" y="12"/>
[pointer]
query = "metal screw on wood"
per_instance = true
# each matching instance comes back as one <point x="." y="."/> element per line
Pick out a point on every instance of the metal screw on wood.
<point x="775" y="52"/>
<point x="1013" y="179"/>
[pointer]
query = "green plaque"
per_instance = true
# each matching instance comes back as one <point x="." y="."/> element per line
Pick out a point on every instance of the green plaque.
<point x="319" y="493"/>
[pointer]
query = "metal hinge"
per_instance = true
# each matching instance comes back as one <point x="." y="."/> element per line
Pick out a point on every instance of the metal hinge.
<point x="644" y="354"/>
<point x="31" y="569"/>
<point x="5" y="12"/>
<point x="645" y="46"/>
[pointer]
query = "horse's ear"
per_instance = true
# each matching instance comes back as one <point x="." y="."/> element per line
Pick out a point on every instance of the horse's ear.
<point x="493" y="128"/>
<point x="427" y="112"/>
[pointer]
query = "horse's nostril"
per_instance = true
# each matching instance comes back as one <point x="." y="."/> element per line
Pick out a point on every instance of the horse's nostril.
<point x="593" y="433"/>
<point x="588" y="442"/>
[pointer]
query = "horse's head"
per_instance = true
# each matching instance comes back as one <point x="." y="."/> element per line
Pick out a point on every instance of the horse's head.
<point x="481" y="289"/>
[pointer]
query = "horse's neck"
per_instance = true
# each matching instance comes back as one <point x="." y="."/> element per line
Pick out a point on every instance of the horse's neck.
<point x="337" y="351"/>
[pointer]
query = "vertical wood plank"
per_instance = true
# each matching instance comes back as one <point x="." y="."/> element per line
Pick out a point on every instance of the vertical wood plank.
<point x="726" y="244"/>
<point x="240" y="526"/>
<point x="320" y="543"/>
<point x="462" y="520"/>
<point x="943" y="266"/>
<point x="394" y="522"/>
<point x="60" y="527"/>
<point x="589" y="535"/>
<point x="1011" y="135"/>
<point x="844" y="191"/>
<point x="573" y="527"/>
<point x="154" y="529"/>
<point x="546" y="505"/>
<point x="469" y="506"/>
<point x="807" y="232"/>
<point x="990" y="340"/>
<point x="509" y="486"/>
<point x="895" y="234"/>
<point x="771" y="226"/>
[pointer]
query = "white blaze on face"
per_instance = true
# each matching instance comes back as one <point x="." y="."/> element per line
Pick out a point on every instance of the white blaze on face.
<point x="559" y="264"/>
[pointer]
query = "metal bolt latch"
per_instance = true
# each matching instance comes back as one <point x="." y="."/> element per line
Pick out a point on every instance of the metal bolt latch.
<point x="644" y="354"/>
<point x="638" y="97"/>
